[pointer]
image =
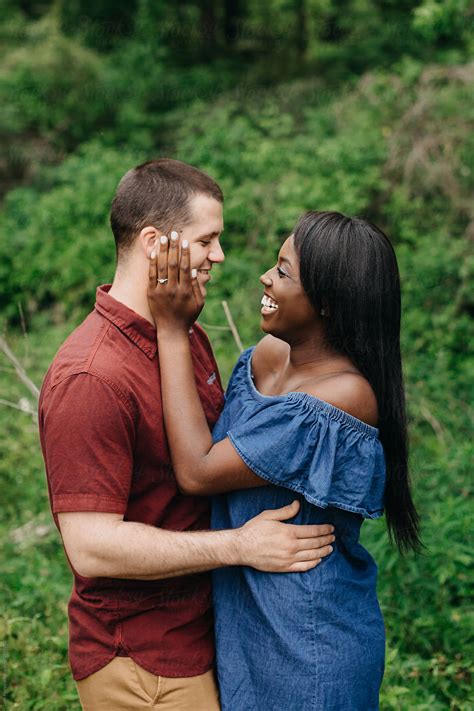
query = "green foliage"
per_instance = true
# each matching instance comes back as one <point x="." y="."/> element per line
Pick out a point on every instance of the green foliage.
<point x="302" y="148"/>
<point x="92" y="92"/>
<point x="70" y="70"/>
<point x="437" y="20"/>
<point x="45" y="84"/>
<point x="50" y="241"/>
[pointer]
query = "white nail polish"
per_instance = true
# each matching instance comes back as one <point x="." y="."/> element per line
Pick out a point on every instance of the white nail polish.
<point x="174" y="236"/>
<point x="185" y="243"/>
<point x="163" y="239"/>
<point x="194" y="273"/>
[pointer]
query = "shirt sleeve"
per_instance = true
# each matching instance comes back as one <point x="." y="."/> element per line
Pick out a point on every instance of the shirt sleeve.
<point x="309" y="446"/>
<point x="88" y="436"/>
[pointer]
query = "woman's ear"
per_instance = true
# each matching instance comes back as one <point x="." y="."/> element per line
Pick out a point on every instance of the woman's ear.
<point x="146" y="239"/>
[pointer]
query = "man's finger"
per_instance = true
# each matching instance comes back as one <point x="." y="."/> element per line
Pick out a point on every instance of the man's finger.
<point x="319" y="541"/>
<point x="173" y="259"/>
<point x="318" y="552"/>
<point x="310" y="554"/>
<point x="163" y="258"/>
<point x="303" y="566"/>
<point x="283" y="513"/>
<point x="311" y="531"/>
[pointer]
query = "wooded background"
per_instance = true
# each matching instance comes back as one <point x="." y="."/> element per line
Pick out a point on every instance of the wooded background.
<point x="363" y="106"/>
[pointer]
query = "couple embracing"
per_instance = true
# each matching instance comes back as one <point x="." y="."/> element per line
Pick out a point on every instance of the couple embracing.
<point x="308" y="442"/>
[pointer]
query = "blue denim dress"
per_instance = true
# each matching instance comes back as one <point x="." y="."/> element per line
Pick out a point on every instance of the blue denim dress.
<point x="300" y="641"/>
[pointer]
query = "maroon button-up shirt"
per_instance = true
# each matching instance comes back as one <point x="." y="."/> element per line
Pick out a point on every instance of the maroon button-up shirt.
<point x="104" y="445"/>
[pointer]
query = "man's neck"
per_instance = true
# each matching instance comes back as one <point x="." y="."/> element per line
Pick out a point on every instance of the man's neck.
<point x="129" y="289"/>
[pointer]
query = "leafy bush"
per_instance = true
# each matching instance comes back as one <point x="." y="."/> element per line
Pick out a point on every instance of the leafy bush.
<point x="57" y="246"/>
<point x="53" y="93"/>
<point x="393" y="147"/>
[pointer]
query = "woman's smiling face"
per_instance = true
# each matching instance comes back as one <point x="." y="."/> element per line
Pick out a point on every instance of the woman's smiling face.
<point x="287" y="312"/>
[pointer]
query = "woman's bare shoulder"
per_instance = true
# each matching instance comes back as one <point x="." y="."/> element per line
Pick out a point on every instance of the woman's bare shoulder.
<point x="269" y="354"/>
<point x="349" y="392"/>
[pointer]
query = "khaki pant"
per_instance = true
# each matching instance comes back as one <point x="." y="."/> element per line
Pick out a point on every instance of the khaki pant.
<point x="122" y="685"/>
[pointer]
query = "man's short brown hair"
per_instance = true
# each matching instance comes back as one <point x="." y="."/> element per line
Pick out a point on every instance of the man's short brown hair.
<point x="157" y="193"/>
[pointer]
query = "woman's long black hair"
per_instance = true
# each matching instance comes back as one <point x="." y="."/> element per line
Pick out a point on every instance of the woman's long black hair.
<point x="348" y="268"/>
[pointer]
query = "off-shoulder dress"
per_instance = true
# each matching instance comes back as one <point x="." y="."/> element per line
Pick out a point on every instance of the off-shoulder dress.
<point x="300" y="641"/>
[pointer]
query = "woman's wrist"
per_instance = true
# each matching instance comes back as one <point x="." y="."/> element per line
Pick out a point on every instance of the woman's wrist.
<point x="172" y="333"/>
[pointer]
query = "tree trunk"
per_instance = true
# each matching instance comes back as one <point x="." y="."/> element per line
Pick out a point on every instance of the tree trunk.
<point x="208" y="28"/>
<point x="301" y="30"/>
<point x="233" y="11"/>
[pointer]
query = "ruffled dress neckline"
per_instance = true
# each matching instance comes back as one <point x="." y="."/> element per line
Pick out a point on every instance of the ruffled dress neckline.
<point x="334" y="412"/>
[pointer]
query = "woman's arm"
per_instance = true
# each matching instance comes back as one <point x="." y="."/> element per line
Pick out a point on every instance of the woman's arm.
<point x="200" y="466"/>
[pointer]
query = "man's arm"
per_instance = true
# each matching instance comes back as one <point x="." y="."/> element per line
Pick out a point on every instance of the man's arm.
<point x="104" y="545"/>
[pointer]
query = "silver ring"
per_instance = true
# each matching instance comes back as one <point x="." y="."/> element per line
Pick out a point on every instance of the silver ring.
<point x="162" y="281"/>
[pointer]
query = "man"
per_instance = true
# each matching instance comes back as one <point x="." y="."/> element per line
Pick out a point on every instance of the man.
<point x="140" y="615"/>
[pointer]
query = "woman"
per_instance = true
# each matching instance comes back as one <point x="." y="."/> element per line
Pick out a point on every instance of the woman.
<point x="316" y="408"/>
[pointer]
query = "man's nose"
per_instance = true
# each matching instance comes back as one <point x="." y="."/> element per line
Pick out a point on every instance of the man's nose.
<point x="217" y="254"/>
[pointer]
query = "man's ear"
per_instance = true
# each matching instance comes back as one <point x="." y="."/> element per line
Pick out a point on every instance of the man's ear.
<point x="146" y="239"/>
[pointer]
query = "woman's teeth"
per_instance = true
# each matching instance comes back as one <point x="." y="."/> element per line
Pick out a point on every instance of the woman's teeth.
<point x="268" y="303"/>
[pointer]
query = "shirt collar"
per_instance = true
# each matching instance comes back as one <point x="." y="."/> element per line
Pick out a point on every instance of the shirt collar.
<point x="137" y="328"/>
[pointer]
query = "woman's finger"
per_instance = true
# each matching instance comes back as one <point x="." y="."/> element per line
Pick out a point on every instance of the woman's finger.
<point x="198" y="297"/>
<point x="173" y="259"/>
<point x="152" y="270"/>
<point x="163" y="259"/>
<point x="184" y="264"/>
